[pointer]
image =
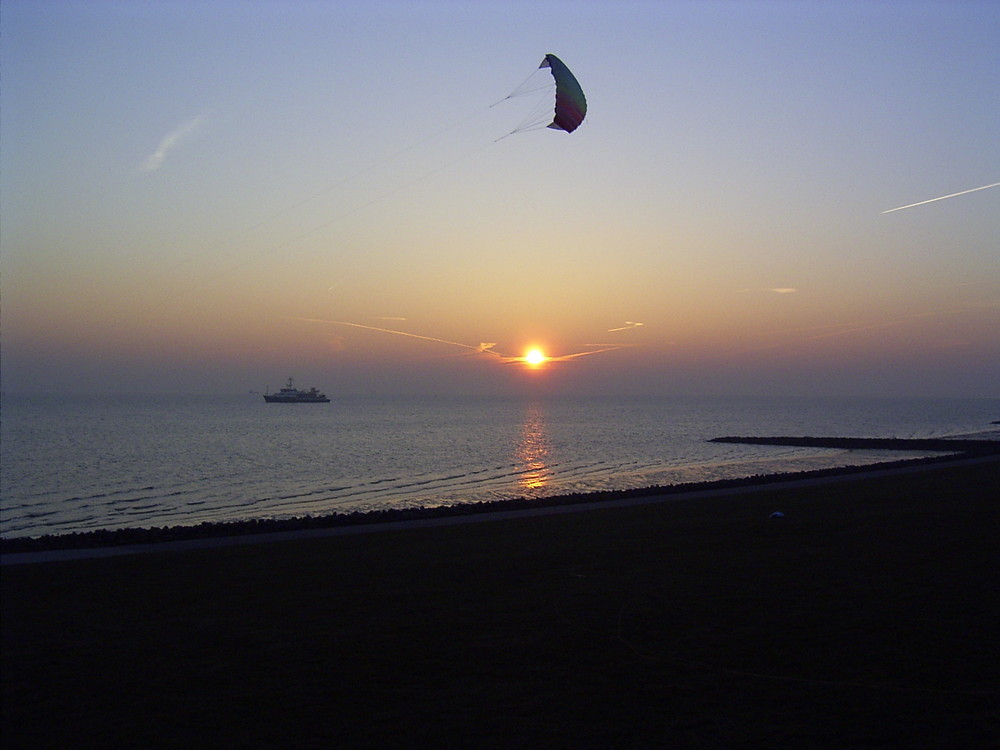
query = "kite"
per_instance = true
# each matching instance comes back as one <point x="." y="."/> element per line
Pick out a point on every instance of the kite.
<point x="571" y="104"/>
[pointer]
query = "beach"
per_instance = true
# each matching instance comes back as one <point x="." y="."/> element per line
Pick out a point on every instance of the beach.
<point x="865" y="617"/>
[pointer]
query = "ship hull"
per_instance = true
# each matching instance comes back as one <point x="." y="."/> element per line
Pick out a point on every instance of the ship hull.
<point x="292" y="395"/>
<point x="276" y="399"/>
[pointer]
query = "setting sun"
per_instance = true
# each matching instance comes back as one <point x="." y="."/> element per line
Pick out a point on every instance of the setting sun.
<point x="535" y="357"/>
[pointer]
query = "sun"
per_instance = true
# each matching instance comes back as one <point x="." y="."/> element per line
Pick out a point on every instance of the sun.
<point x="535" y="357"/>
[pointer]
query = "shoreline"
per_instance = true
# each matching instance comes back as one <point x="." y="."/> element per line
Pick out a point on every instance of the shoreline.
<point x="105" y="543"/>
<point x="863" y="618"/>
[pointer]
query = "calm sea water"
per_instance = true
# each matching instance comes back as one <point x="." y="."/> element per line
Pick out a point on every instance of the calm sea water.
<point x="81" y="463"/>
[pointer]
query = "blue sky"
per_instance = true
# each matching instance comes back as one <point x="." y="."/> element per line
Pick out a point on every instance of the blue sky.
<point x="188" y="188"/>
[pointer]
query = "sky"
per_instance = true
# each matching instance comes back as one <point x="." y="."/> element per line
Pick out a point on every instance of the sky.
<point x="211" y="197"/>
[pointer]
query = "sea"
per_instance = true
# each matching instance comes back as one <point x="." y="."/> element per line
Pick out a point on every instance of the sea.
<point x="81" y="463"/>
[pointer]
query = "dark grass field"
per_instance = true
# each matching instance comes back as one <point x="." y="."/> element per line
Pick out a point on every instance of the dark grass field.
<point x="868" y="617"/>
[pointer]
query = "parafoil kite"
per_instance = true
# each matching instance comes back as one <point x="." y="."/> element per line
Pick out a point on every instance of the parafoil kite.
<point x="571" y="104"/>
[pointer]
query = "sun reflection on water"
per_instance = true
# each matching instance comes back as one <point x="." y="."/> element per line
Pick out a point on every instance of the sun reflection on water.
<point x="532" y="452"/>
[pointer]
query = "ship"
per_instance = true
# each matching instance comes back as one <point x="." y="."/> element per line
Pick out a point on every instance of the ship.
<point x="292" y="395"/>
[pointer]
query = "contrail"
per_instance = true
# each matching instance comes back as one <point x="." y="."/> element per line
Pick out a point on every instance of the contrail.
<point x="943" y="197"/>
<point x="629" y="324"/>
<point x="485" y="347"/>
<point x="155" y="160"/>
<point x="844" y="329"/>
<point x="567" y="357"/>
<point x="482" y="348"/>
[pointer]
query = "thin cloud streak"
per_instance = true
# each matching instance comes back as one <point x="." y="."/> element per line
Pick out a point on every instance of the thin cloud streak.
<point x="943" y="197"/>
<point x="481" y="348"/>
<point x="629" y="324"/>
<point x="845" y="329"/>
<point x="567" y="357"/>
<point x="181" y="133"/>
